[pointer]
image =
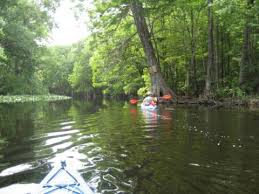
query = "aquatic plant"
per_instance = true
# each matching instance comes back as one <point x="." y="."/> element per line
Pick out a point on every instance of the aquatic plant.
<point x="31" y="98"/>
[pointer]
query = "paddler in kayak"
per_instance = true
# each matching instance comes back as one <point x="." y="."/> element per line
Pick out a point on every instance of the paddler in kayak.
<point x="150" y="99"/>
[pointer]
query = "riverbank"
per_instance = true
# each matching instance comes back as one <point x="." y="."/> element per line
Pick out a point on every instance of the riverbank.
<point x="31" y="98"/>
<point x="249" y="102"/>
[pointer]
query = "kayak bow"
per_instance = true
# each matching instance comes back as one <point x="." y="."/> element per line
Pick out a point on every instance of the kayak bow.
<point x="62" y="179"/>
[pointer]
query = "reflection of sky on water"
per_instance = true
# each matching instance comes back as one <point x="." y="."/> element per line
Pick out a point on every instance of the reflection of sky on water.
<point x="150" y="116"/>
<point x="62" y="133"/>
<point x="67" y="123"/>
<point x="20" y="188"/>
<point x="16" y="169"/>
<point x="57" y="140"/>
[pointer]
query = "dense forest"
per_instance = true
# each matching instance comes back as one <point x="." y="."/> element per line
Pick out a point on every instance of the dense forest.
<point x="183" y="47"/>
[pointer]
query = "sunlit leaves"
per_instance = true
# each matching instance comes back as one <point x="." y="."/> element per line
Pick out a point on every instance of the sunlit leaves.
<point x="56" y="65"/>
<point x="179" y="32"/>
<point x="81" y="77"/>
<point x="23" y="25"/>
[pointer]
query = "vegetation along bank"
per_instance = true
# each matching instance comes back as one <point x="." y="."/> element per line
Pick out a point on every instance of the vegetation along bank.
<point x="183" y="48"/>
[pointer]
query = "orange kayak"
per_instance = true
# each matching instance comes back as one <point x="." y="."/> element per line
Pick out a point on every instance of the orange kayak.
<point x="167" y="97"/>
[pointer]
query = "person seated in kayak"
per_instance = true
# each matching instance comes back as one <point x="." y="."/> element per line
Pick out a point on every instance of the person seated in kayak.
<point x="150" y="99"/>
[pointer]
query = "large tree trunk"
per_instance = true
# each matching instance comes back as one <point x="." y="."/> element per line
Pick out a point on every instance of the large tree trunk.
<point x="246" y="57"/>
<point x="210" y="65"/>
<point x="158" y="84"/>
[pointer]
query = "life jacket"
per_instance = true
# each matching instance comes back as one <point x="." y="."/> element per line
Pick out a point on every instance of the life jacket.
<point x="153" y="103"/>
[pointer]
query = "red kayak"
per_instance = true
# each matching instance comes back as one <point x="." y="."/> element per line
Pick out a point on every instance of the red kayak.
<point x="133" y="101"/>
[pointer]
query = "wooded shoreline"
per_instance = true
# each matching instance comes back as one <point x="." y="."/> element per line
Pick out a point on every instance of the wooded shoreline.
<point x="182" y="48"/>
<point x="249" y="102"/>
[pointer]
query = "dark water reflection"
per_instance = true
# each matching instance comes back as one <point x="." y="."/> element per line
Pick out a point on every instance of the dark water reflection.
<point x="120" y="149"/>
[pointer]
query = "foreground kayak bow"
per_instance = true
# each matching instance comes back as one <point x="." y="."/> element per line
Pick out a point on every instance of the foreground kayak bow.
<point x="62" y="179"/>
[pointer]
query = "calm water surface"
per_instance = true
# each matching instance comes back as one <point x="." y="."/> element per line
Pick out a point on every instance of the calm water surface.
<point x="118" y="148"/>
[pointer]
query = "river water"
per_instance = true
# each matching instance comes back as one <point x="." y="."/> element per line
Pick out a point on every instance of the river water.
<point x="119" y="148"/>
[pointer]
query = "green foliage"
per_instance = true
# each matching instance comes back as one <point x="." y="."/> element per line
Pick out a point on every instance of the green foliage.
<point x="230" y="92"/>
<point x="56" y="66"/>
<point x="117" y="63"/>
<point x="81" y="77"/>
<point x="147" y="86"/>
<point x="23" y="25"/>
<point x="115" y="74"/>
<point x="179" y="35"/>
<point x="112" y="59"/>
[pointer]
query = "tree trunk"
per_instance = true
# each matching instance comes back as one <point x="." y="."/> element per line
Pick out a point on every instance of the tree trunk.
<point x="246" y="57"/>
<point x="217" y="54"/>
<point x="187" y="63"/>
<point x="193" y="55"/>
<point x="157" y="82"/>
<point x="222" y="51"/>
<point x="207" y="91"/>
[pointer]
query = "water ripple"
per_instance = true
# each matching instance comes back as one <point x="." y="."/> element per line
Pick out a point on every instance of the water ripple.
<point x="126" y="150"/>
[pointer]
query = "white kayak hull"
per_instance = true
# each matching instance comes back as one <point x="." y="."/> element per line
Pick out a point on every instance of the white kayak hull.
<point x="63" y="179"/>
